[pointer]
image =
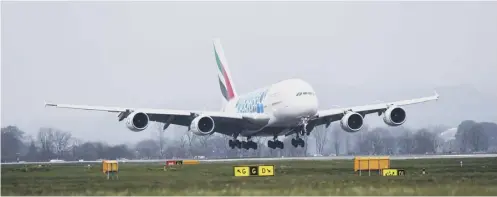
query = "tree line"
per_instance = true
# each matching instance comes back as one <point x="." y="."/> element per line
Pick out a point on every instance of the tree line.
<point x="52" y="143"/>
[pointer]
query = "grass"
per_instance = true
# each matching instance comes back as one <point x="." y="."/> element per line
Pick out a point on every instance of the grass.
<point x="444" y="177"/>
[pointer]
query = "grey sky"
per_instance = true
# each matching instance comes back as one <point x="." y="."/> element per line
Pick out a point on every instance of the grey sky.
<point x="159" y="54"/>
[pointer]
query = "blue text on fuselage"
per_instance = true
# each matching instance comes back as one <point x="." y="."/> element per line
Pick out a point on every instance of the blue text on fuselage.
<point x="252" y="103"/>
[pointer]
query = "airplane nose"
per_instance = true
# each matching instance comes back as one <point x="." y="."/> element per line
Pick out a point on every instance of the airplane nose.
<point x="313" y="106"/>
<point x="307" y="107"/>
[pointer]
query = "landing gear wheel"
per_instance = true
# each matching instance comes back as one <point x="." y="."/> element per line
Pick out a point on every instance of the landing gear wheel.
<point x="238" y="144"/>
<point x="251" y="145"/>
<point x="270" y="144"/>
<point x="234" y="144"/>
<point x="294" y="143"/>
<point x="301" y="142"/>
<point x="280" y="144"/>
<point x="245" y="145"/>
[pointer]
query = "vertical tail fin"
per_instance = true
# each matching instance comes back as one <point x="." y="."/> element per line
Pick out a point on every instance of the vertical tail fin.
<point x="224" y="75"/>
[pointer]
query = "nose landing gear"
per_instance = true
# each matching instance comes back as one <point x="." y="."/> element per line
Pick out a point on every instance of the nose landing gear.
<point x="303" y="124"/>
<point x="297" y="141"/>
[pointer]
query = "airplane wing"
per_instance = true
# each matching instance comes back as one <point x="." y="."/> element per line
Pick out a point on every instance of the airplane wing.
<point x="169" y="116"/>
<point x="330" y="115"/>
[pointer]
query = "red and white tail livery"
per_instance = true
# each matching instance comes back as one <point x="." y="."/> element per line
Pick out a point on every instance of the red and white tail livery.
<point x="223" y="72"/>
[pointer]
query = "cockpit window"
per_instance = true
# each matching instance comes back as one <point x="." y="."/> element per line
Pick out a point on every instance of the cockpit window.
<point x="304" y="93"/>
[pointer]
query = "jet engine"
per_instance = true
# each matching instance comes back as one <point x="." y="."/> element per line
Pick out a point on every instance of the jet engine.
<point x="394" y="116"/>
<point x="352" y="122"/>
<point x="202" y="125"/>
<point x="137" y="121"/>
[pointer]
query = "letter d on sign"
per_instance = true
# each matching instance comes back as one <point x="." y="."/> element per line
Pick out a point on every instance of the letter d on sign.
<point x="266" y="170"/>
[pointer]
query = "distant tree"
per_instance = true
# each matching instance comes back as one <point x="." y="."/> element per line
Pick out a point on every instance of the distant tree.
<point x="478" y="139"/>
<point x="355" y="139"/>
<point x="51" y="143"/>
<point x="32" y="154"/>
<point x="161" y="141"/>
<point x="387" y="142"/>
<point x="336" y="135"/>
<point x="304" y="151"/>
<point x="462" y="135"/>
<point x="75" y="148"/>
<point x="370" y="143"/>
<point x="438" y="129"/>
<point x="182" y="143"/>
<point x="173" y="149"/>
<point x="11" y="143"/>
<point x="424" y="142"/>
<point x="490" y="129"/>
<point x="321" y="138"/>
<point x="46" y="139"/>
<point x="120" y="151"/>
<point x="190" y="138"/>
<point x="472" y="136"/>
<point x="61" y="142"/>
<point x="405" y="143"/>
<point x="204" y="145"/>
<point x="88" y="151"/>
<point x="351" y="143"/>
<point x="219" y="145"/>
<point x="147" y="148"/>
<point x="377" y="145"/>
<point x="261" y="146"/>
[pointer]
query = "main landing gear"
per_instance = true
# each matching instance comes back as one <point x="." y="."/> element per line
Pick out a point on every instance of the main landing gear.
<point x="275" y="143"/>
<point x="296" y="142"/>
<point x="249" y="144"/>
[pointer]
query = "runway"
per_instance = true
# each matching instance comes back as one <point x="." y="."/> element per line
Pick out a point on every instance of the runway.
<point x="395" y="157"/>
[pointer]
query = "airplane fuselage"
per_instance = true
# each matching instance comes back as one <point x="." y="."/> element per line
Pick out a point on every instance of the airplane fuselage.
<point x="285" y="102"/>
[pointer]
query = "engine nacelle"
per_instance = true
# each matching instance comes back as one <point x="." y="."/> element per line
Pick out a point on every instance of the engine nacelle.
<point x="352" y="122"/>
<point x="137" y="121"/>
<point x="202" y="125"/>
<point x="394" y="116"/>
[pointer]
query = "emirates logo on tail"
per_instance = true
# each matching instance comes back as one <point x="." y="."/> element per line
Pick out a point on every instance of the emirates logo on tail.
<point x="224" y="78"/>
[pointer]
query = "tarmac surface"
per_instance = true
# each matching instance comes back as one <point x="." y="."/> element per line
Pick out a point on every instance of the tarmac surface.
<point x="395" y="157"/>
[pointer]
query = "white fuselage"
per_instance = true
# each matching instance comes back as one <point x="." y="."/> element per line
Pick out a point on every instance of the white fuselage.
<point x="285" y="102"/>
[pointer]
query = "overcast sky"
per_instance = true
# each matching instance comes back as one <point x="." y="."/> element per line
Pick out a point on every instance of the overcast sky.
<point x="159" y="54"/>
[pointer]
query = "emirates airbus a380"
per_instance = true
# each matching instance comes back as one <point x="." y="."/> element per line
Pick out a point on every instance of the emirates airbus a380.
<point x="289" y="107"/>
